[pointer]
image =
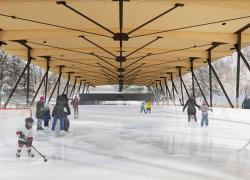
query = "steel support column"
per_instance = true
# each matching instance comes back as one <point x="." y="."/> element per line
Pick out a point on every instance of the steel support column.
<point x="238" y="71"/>
<point x="180" y="76"/>
<point x="210" y="78"/>
<point x="28" y="77"/>
<point x="47" y="77"/>
<point x="192" y="73"/>
<point x="59" y="80"/>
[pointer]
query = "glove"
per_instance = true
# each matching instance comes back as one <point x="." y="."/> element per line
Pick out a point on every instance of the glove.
<point x="21" y="135"/>
<point x="30" y="140"/>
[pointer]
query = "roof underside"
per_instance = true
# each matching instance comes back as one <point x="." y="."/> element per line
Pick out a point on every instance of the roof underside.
<point x="64" y="33"/>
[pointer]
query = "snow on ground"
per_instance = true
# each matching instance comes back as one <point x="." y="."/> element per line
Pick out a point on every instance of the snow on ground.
<point x="117" y="142"/>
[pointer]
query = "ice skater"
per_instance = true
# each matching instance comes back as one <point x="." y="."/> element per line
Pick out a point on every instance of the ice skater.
<point x="75" y="103"/>
<point x="25" y="137"/>
<point x="204" y="112"/>
<point x="39" y="112"/>
<point x="58" y="111"/>
<point x="148" y="107"/>
<point x="191" y="111"/>
<point x="142" y="108"/>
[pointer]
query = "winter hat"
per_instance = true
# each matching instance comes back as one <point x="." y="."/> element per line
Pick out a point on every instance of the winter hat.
<point x="42" y="98"/>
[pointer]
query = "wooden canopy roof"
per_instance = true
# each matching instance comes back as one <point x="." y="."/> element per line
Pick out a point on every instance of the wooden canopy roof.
<point x="134" y="41"/>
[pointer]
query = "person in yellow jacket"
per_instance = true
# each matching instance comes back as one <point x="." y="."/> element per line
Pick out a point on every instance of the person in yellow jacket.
<point x="148" y="107"/>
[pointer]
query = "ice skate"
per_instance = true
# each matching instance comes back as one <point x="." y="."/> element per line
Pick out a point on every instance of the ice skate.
<point x="18" y="154"/>
<point x="30" y="154"/>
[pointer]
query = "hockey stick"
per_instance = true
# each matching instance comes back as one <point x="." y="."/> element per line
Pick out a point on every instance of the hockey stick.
<point x="44" y="158"/>
<point x="243" y="147"/>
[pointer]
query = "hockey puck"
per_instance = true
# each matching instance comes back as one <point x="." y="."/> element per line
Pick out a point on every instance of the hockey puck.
<point x="45" y="160"/>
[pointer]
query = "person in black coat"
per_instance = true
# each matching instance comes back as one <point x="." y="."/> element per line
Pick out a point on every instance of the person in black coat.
<point x="58" y="111"/>
<point x="191" y="108"/>
<point x="246" y="103"/>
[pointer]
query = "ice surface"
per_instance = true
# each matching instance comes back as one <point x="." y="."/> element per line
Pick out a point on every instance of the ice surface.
<point x="117" y="142"/>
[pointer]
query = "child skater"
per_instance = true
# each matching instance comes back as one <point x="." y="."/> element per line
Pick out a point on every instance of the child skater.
<point x="204" y="111"/>
<point x="25" y="137"/>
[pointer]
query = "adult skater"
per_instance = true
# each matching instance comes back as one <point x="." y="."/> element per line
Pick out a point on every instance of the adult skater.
<point x="191" y="108"/>
<point x="148" y="107"/>
<point x="58" y="111"/>
<point x="204" y="112"/>
<point x="39" y="112"/>
<point x="25" y="137"/>
<point x="75" y="103"/>
<point x="246" y="103"/>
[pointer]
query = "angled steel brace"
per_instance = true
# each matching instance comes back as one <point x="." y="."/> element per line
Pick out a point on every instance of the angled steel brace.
<point x="136" y="61"/>
<point x="153" y="19"/>
<point x="76" y="61"/>
<point x="109" y="75"/>
<point x="157" y="38"/>
<point x="39" y="87"/>
<point x="171" y="76"/>
<point x="83" y="37"/>
<point x="103" y="60"/>
<point x="167" y="89"/>
<point x="162" y="91"/>
<point x="86" y="17"/>
<point x="242" y="56"/>
<point x="200" y="87"/>
<point x="185" y="87"/>
<point x="20" y="77"/>
<point x="73" y="88"/>
<point x="222" y="87"/>
<point x="84" y="86"/>
<point x="80" y="86"/>
<point x="134" y="69"/>
<point x="192" y="26"/>
<point x="56" y="47"/>
<point x="66" y="88"/>
<point x="106" y="68"/>
<point x="57" y="81"/>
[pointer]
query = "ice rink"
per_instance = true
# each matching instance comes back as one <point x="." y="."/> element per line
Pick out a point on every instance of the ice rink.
<point x="118" y="142"/>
